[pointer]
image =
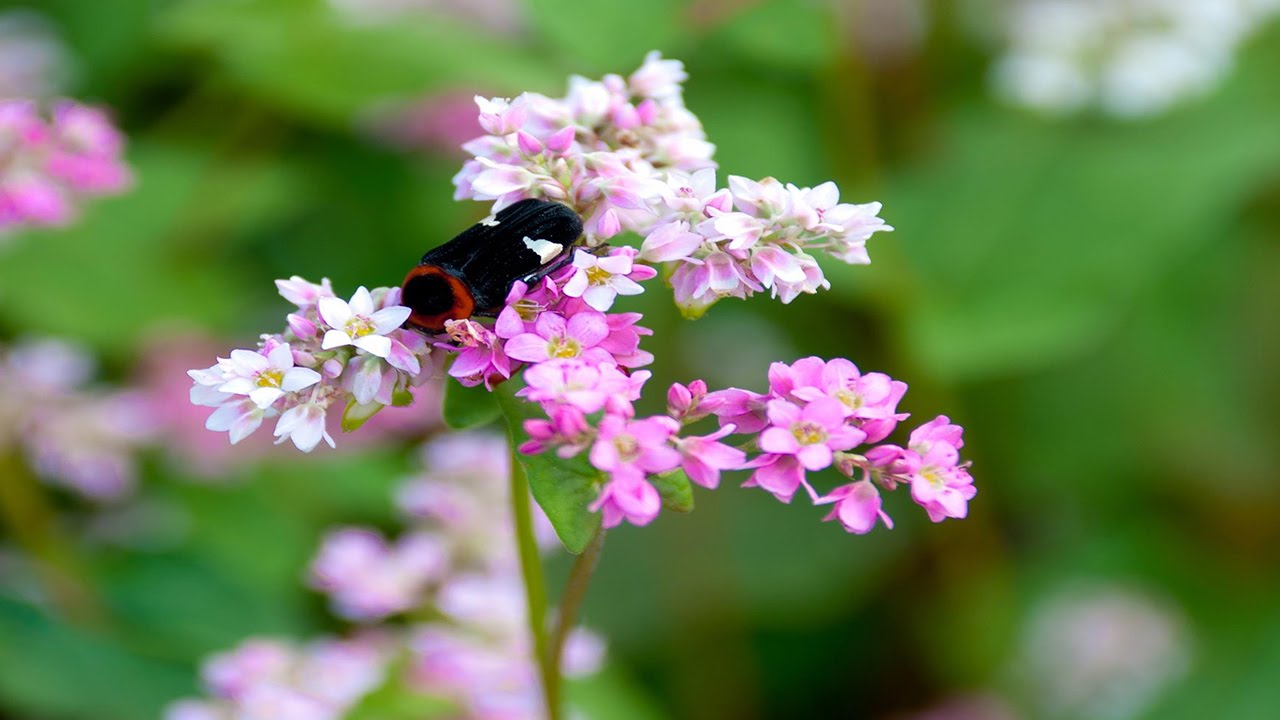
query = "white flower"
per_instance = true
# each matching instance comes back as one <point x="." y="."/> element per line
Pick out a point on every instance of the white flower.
<point x="264" y="378"/>
<point x="356" y="323"/>
<point x="600" y="280"/>
<point x="304" y="425"/>
<point x="239" y="419"/>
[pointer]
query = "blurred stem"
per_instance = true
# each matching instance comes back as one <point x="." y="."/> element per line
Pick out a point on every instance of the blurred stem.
<point x="534" y="586"/>
<point x="575" y="591"/>
<point x="25" y="511"/>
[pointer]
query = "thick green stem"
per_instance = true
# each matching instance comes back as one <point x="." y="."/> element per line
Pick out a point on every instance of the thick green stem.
<point x="575" y="591"/>
<point x="534" y="587"/>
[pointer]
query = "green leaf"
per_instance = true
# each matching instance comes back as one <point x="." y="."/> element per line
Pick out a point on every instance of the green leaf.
<point x="563" y="488"/>
<point x="305" y="56"/>
<point x="468" y="407"/>
<point x="675" y="489"/>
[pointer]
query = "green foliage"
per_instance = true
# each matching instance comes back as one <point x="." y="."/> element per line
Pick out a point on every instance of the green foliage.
<point x="676" y="491"/>
<point x="563" y="488"/>
<point x="468" y="407"/>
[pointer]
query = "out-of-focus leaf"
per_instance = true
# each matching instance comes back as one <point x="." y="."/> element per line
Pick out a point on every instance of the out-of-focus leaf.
<point x="306" y="56"/>
<point x="50" y="669"/>
<point x="610" y="36"/>
<point x="468" y="407"/>
<point x="675" y="489"/>
<point x="611" y="695"/>
<point x="126" y="266"/>
<point x="780" y="33"/>
<point x="1029" y="238"/>
<point x="564" y="488"/>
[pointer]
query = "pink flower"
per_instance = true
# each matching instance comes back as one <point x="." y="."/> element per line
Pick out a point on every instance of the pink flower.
<point x="573" y="382"/>
<point x="555" y="337"/>
<point x="742" y="408"/>
<point x="812" y="434"/>
<point x="627" y="497"/>
<point x="940" y="483"/>
<point x="600" y="280"/>
<point x="357" y="323"/>
<point x="481" y="359"/>
<point x="870" y="399"/>
<point x="669" y="242"/>
<point x="635" y="447"/>
<point x="857" y="507"/>
<point x="704" y="457"/>
<point x="779" y="475"/>
<point x="369" y="579"/>
<point x="303" y="293"/>
<point x="623" y="340"/>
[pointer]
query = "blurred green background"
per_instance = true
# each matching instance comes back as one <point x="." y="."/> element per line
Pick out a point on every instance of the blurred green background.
<point x="1094" y="300"/>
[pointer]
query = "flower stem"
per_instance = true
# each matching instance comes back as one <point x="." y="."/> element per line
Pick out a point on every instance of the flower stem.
<point x="25" y="511"/>
<point x="575" y="591"/>
<point x="534" y="587"/>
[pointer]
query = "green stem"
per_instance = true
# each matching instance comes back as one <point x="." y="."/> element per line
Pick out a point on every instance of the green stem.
<point x="25" y="511"/>
<point x="534" y="586"/>
<point x="575" y="591"/>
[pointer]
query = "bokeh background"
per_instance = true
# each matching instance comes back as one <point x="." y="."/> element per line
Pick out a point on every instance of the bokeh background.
<point x="1090" y="289"/>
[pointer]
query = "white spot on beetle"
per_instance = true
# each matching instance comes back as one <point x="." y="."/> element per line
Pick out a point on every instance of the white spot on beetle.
<point x="546" y="250"/>
<point x="491" y="221"/>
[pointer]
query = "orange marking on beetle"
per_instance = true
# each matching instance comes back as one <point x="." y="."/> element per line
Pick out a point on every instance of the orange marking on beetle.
<point x="459" y="305"/>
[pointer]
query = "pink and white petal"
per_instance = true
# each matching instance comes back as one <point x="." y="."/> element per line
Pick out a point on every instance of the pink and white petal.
<point x="577" y="284"/>
<point x="626" y="286"/>
<point x="334" y="338"/>
<point x="615" y="264"/>
<point x="379" y="345"/>
<point x="402" y="358"/>
<point x="250" y="361"/>
<point x="388" y="319"/>
<point x="334" y="311"/>
<point x="599" y="297"/>
<point x="238" y="386"/>
<point x="280" y="357"/>
<point x="264" y="396"/>
<point x="298" y="378"/>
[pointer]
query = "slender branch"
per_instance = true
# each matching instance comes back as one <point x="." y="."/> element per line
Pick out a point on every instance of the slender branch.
<point x="575" y="591"/>
<point x="534" y="587"/>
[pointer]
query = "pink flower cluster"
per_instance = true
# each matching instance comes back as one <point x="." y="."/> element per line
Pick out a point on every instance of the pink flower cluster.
<point x="71" y="435"/>
<point x="335" y="352"/>
<point x="820" y="414"/>
<point x="627" y="155"/>
<point x="48" y="165"/>
<point x="270" y="679"/>
<point x="817" y="415"/>
<point x="600" y="149"/>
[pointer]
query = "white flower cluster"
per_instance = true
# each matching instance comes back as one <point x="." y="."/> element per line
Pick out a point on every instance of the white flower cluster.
<point x="1130" y="58"/>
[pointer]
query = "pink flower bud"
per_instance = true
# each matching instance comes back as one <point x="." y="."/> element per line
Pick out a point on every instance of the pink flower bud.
<point x="331" y="368"/>
<point x="562" y="139"/>
<point x="647" y="111"/>
<point x="608" y="225"/>
<point x="529" y="144"/>
<point x="301" y="327"/>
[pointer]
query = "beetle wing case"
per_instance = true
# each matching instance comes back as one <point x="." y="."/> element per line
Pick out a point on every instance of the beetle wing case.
<point x="473" y="272"/>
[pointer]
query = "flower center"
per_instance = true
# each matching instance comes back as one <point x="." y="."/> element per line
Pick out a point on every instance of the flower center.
<point x="527" y="309"/>
<point x="359" y="326"/>
<point x="934" y="477"/>
<point x="597" y="275"/>
<point x="563" y="347"/>
<point x="851" y="399"/>
<point x="271" y="377"/>
<point x="627" y="447"/>
<point x="809" y="433"/>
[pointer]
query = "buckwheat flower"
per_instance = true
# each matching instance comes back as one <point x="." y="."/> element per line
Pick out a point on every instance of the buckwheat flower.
<point x="703" y="458"/>
<point x="481" y="358"/>
<point x="86" y="150"/>
<point x="658" y="78"/>
<point x="812" y="433"/>
<point x="265" y="377"/>
<point x="857" y="507"/>
<point x="684" y="402"/>
<point x="627" y="497"/>
<point x="871" y="399"/>
<point x="555" y="337"/>
<point x="304" y="424"/>
<point x="623" y="340"/>
<point x="303" y="293"/>
<point x="940" y="483"/>
<point x="573" y="382"/>
<point x="670" y="242"/>
<point x="565" y="429"/>
<point x="239" y="419"/>
<point x="600" y="280"/>
<point x="743" y="409"/>
<point x="368" y="579"/>
<point x="635" y="447"/>
<point x="357" y="323"/>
